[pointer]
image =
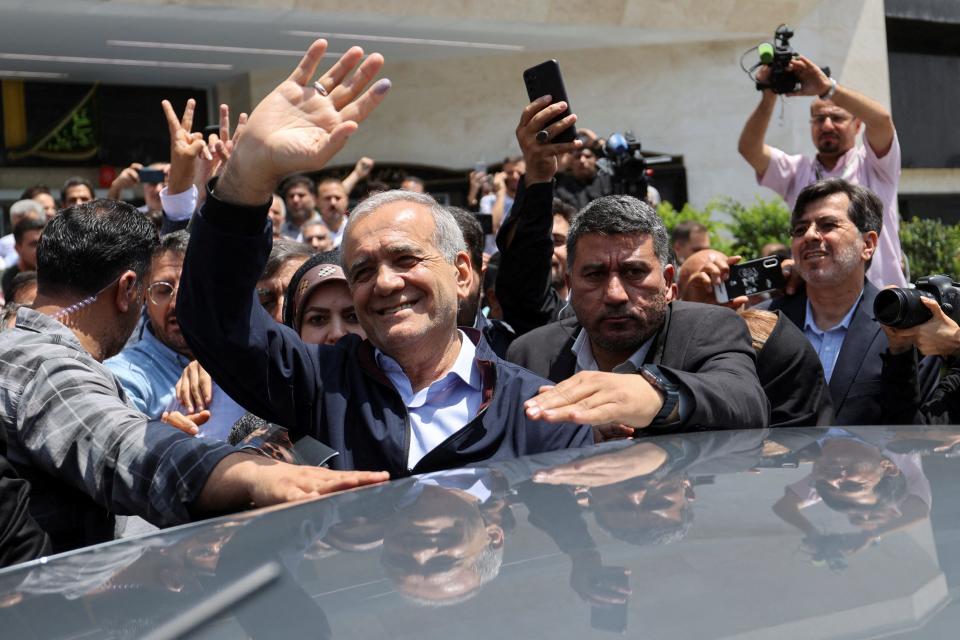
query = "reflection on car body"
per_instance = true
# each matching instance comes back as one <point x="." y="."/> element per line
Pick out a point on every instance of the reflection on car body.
<point x="699" y="535"/>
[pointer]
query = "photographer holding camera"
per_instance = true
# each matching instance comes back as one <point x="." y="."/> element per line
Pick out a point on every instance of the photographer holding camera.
<point x="903" y="401"/>
<point x="835" y="118"/>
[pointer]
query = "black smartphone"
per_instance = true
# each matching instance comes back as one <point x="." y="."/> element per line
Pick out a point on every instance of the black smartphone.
<point x="211" y="128"/>
<point x="486" y="222"/>
<point x="545" y="79"/>
<point x="751" y="277"/>
<point x="151" y="176"/>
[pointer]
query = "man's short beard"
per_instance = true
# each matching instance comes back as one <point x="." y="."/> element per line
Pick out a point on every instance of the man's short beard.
<point x="656" y="312"/>
<point x="845" y="260"/>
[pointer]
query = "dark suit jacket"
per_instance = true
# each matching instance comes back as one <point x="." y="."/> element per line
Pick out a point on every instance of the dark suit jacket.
<point x="855" y="386"/>
<point x="704" y="348"/>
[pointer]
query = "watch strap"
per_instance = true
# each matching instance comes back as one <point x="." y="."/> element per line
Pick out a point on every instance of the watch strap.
<point x="670" y="411"/>
<point x="831" y="91"/>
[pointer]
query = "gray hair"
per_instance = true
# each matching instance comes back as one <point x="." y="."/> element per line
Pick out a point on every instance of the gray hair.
<point x="283" y="205"/>
<point x="486" y="566"/>
<point x="21" y="208"/>
<point x="175" y="242"/>
<point x="283" y="250"/>
<point x="619" y="215"/>
<point x="447" y="237"/>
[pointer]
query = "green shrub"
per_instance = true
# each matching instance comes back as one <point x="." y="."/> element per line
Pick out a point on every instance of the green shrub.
<point x="761" y="223"/>
<point x="931" y="247"/>
<point x="749" y="229"/>
<point x="706" y="216"/>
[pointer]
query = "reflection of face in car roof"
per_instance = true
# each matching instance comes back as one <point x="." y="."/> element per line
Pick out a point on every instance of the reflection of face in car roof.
<point x="440" y="550"/>
<point x="644" y="511"/>
<point x="854" y="476"/>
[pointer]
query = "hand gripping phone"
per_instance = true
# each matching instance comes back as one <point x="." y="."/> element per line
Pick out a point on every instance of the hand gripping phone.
<point x="545" y="79"/>
<point x="750" y="278"/>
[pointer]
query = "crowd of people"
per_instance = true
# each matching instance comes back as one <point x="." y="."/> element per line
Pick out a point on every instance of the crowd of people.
<point x="146" y="351"/>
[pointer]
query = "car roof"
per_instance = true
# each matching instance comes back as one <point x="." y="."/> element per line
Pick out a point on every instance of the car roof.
<point x="734" y="533"/>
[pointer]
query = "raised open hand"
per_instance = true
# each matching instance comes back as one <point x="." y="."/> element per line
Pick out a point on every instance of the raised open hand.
<point x="302" y="124"/>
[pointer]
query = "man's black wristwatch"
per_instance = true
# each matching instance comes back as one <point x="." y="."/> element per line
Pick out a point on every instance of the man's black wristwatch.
<point x="670" y="411"/>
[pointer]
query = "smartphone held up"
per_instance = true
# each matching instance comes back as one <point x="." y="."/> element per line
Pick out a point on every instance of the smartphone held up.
<point x="545" y="79"/>
<point x="751" y="278"/>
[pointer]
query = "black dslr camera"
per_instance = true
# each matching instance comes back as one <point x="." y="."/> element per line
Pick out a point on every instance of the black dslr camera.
<point x="901" y="308"/>
<point x="627" y="164"/>
<point x="778" y="56"/>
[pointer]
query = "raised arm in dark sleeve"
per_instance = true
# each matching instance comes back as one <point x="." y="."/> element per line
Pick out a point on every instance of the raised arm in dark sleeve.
<point x="526" y="239"/>
<point x="524" y="286"/>
<point x="262" y="364"/>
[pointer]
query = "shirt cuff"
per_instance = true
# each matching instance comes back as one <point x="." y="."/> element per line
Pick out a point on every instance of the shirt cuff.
<point x="179" y="206"/>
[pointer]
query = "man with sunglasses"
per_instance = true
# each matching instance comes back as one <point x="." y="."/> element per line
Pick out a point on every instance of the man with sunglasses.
<point x="150" y="368"/>
<point x="836" y="116"/>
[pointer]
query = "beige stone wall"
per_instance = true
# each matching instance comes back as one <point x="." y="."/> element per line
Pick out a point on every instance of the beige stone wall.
<point x="689" y="99"/>
<point x="681" y="91"/>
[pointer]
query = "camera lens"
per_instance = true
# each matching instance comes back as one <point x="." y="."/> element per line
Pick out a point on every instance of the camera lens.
<point x="901" y="308"/>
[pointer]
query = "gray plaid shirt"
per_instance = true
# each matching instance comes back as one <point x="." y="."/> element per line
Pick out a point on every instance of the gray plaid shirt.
<point x="85" y="448"/>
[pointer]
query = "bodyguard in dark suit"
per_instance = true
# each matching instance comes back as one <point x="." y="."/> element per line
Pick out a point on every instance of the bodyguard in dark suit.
<point x="633" y="356"/>
<point x="704" y="348"/>
<point x="835" y="226"/>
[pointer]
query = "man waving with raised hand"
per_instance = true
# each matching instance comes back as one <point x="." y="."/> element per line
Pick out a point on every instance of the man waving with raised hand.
<point x="419" y="394"/>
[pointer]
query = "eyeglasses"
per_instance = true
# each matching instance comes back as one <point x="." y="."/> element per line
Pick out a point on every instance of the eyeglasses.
<point x="823" y="227"/>
<point x="271" y="298"/>
<point x="161" y="293"/>
<point x="836" y="119"/>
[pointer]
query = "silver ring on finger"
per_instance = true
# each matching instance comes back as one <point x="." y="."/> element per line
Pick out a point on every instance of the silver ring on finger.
<point x="320" y="88"/>
<point x="543" y="136"/>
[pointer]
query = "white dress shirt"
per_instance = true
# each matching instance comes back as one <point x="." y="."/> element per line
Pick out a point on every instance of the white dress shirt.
<point x="444" y="407"/>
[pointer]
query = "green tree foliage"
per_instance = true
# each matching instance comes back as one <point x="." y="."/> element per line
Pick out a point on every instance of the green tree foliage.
<point x="931" y="247"/>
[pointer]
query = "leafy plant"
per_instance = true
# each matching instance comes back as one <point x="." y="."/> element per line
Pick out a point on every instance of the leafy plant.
<point x="706" y="216"/>
<point x="931" y="247"/>
<point x="762" y="223"/>
<point x="750" y="227"/>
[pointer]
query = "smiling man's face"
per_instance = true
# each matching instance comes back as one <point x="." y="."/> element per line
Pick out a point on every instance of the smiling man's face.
<point x="405" y="293"/>
<point x="827" y="245"/>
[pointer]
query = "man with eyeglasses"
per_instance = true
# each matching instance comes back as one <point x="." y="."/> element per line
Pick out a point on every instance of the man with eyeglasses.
<point x="835" y="228"/>
<point x="149" y="369"/>
<point x="836" y="116"/>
